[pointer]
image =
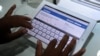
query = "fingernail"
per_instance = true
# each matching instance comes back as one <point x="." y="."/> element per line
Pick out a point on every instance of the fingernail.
<point x="38" y="41"/>
<point x="31" y="27"/>
<point x="14" y="6"/>
<point x="24" y="31"/>
<point x="54" y="40"/>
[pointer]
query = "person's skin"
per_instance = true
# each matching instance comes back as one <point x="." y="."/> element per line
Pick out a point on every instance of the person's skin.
<point x="51" y="50"/>
<point x="9" y="21"/>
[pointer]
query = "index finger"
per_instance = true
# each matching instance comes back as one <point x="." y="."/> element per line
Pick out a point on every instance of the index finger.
<point x="69" y="47"/>
<point x="10" y="11"/>
<point x="38" y="48"/>
<point x="62" y="43"/>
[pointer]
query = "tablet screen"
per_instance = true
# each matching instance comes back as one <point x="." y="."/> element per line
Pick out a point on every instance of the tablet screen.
<point x="63" y="21"/>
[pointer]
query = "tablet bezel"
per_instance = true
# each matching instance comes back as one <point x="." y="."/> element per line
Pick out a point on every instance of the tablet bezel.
<point x="84" y="37"/>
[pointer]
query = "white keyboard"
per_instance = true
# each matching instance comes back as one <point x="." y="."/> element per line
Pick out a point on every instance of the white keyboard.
<point x="46" y="32"/>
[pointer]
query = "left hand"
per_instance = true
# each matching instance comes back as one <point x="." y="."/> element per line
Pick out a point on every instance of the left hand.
<point x="9" y="21"/>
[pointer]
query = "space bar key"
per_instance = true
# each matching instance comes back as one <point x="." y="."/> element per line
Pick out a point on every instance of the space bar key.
<point x="42" y="39"/>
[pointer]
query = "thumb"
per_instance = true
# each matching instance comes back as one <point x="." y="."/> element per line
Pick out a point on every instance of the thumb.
<point x="10" y="11"/>
<point x="80" y="53"/>
<point x="17" y="34"/>
<point x="39" y="48"/>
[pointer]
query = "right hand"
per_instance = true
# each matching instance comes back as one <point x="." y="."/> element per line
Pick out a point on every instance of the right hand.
<point x="52" y="51"/>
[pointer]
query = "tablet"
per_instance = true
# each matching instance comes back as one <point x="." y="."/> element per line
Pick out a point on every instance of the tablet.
<point x="52" y="22"/>
<point x="95" y="4"/>
<point x="88" y="8"/>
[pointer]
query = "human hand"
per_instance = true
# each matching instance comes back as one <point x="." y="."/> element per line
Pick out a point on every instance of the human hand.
<point x="9" y="21"/>
<point x="51" y="50"/>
